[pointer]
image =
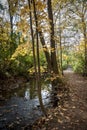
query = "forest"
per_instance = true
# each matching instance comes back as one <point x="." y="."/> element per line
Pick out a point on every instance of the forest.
<point x="43" y="64"/>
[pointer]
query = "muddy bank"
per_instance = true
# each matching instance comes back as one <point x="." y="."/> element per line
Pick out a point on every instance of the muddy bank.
<point x="8" y="84"/>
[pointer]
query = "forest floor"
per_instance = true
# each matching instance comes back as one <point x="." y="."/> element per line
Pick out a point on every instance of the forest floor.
<point x="72" y="114"/>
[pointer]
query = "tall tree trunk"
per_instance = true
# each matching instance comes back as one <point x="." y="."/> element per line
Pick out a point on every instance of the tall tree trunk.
<point x="85" y="42"/>
<point x="37" y="39"/>
<point x="55" y="72"/>
<point x="32" y="36"/>
<point x="11" y="17"/>
<point x="60" y="40"/>
<point x="52" y="41"/>
<point x="38" y="62"/>
<point x="48" y="59"/>
<point x="11" y="25"/>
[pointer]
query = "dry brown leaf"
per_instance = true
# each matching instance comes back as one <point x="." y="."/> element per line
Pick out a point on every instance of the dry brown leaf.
<point x="60" y="121"/>
<point x="64" y="109"/>
<point x="73" y="107"/>
<point x="61" y="113"/>
<point x="68" y="118"/>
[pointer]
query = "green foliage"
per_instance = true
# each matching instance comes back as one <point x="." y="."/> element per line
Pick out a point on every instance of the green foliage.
<point x="78" y="59"/>
<point x="7" y="48"/>
<point x="16" y="56"/>
<point x="4" y="47"/>
<point x="64" y="65"/>
<point x="78" y="63"/>
<point x="43" y="64"/>
<point x="43" y="59"/>
<point x="65" y="60"/>
<point x="21" y="64"/>
<point x="21" y="60"/>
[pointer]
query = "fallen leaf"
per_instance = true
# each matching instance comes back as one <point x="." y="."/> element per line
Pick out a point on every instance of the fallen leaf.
<point x="68" y="118"/>
<point x="61" y="113"/>
<point x="17" y="122"/>
<point x="60" y="121"/>
<point x="73" y="107"/>
<point x="17" y="118"/>
<point x="64" y="109"/>
<point x="11" y="125"/>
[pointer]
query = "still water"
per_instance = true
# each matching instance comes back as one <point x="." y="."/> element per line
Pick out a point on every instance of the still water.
<point x="22" y="105"/>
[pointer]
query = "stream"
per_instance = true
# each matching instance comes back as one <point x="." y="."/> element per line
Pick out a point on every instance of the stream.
<point x="22" y="107"/>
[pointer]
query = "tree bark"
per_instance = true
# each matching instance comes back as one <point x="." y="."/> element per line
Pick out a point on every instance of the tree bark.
<point x="32" y="36"/>
<point x="38" y="62"/>
<point x="55" y="72"/>
<point x="47" y="55"/>
<point x="11" y="26"/>
<point x="54" y="65"/>
<point x="85" y="44"/>
<point x="60" y="40"/>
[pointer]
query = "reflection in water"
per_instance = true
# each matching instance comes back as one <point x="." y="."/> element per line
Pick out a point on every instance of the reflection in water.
<point x="29" y="91"/>
<point x="38" y="84"/>
<point x="27" y="95"/>
<point x="28" y="109"/>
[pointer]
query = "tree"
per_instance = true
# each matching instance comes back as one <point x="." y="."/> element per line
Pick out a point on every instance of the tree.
<point x="38" y="61"/>
<point x="12" y="7"/>
<point x="32" y="35"/>
<point x="54" y="66"/>
<point x="79" y="9"/>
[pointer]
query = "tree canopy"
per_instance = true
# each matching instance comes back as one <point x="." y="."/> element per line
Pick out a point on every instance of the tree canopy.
<point x="60" y="27"/>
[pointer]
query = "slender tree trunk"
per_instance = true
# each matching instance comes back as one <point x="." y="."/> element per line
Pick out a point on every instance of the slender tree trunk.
<point x="32" y="36"/>
<point x="85" y="69"/>
<point x="85" y="42"/>
<point x="55" y="72"/>
<point x="11" y="21"/>
<point x="37" y="40"/>
<point x="11" y="18"/>
<point x="52" y="41"/>
<point x="48" y="59"/>
<point x="85" y="66"/>
<point x="38" y="62"/>
<point x="60" y="39"/>
<point x="11" y="26"/>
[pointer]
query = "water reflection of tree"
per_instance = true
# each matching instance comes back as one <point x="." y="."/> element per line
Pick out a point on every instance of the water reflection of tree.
<point x="27" y="94"/>
<point x="38" y="83"/>
<point x="38" y="74"/>
<point x="33" y="90"/>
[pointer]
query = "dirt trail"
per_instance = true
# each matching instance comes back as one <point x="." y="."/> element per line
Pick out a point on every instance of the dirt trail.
<point x="78" y="94"/>
<point x="72" y="115"/>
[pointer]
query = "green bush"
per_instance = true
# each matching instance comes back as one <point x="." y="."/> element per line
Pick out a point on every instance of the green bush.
<point x="78" y="62"/>
<point x="21" y="64"/>
<point x="64" y="65"/>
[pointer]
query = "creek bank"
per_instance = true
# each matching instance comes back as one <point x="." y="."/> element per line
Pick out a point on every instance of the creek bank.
<point x="17" y="113"/>
<point x="9" y="82"/>
<point x="72" y="114"/>
<point x="7" y="85"/>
